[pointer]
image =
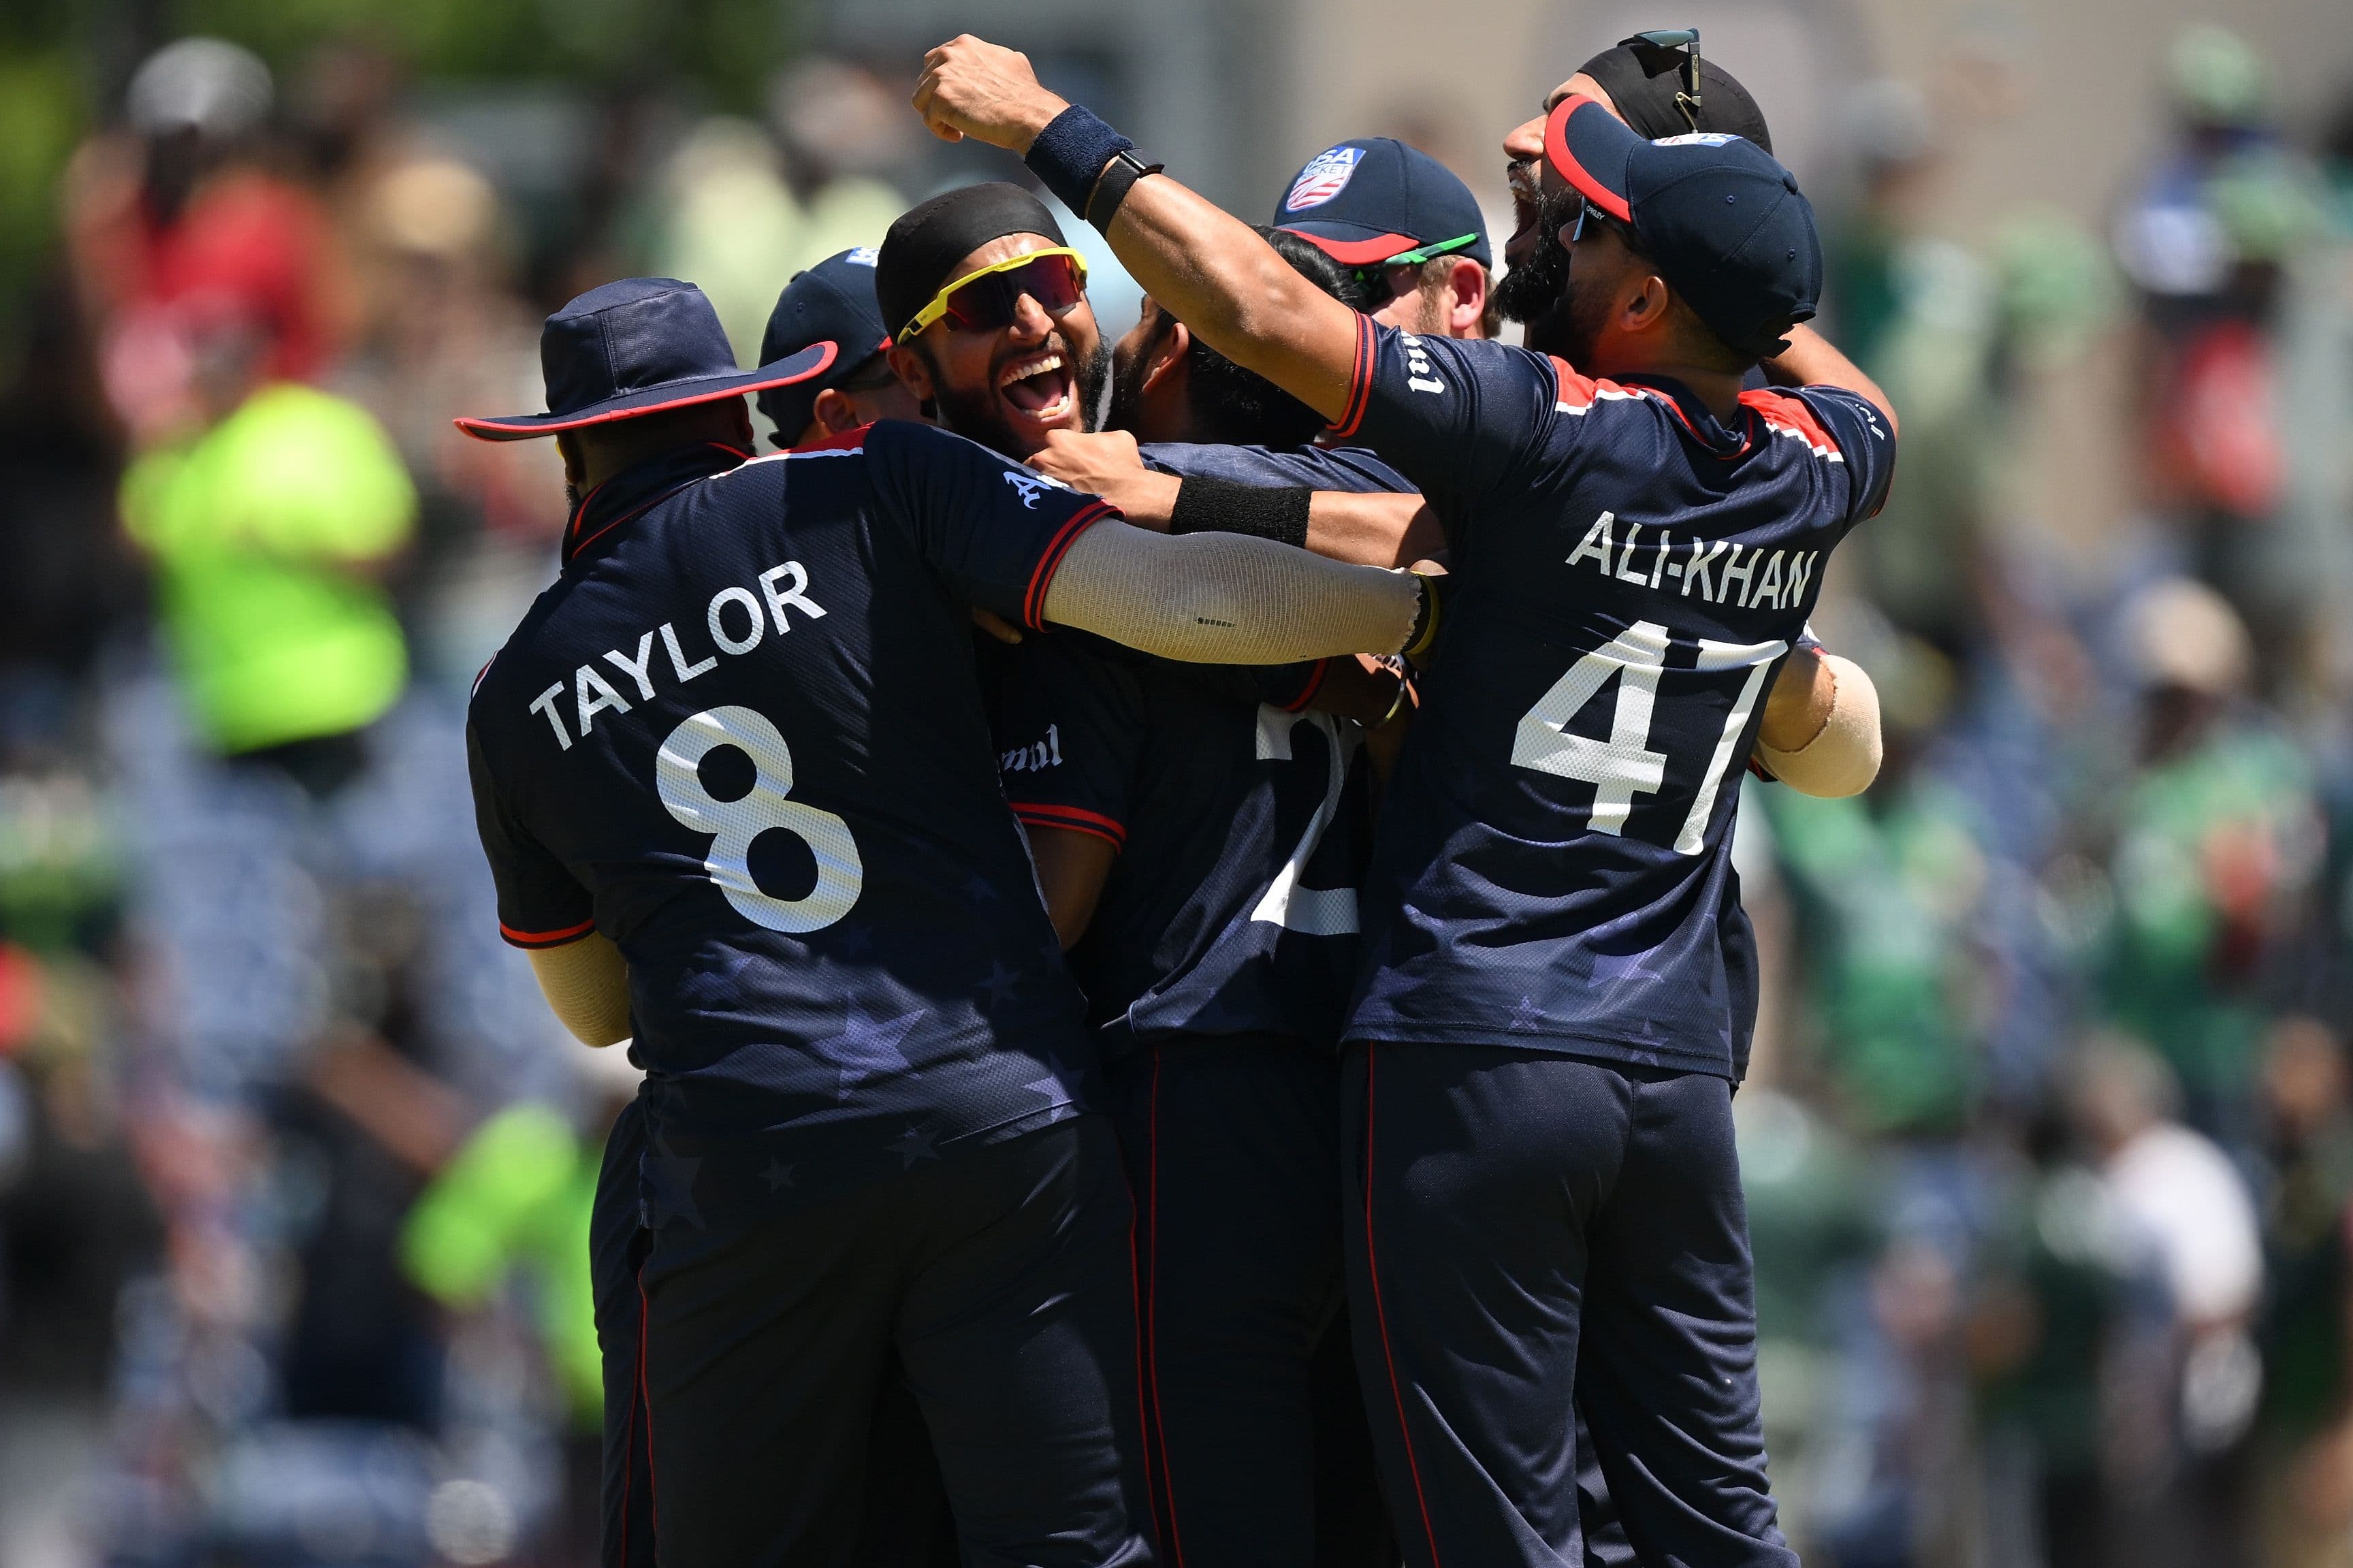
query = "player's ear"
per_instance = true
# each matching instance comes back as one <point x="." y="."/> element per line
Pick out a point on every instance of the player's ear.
<point x="1648" y="304"/>
<point x="742" y="422"/>
<point x="1167" y="353"/>
<point x="1469" y="282"/>
<point x="834" y="410"/>
<point x="913" y="372"/>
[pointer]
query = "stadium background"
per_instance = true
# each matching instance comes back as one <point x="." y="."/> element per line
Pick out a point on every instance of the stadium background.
<point x="2050" y="1141"/>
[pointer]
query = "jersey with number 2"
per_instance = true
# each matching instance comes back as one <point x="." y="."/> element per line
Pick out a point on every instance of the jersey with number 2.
<point x="742" y="736"/>
<point x="1553" y="867"/>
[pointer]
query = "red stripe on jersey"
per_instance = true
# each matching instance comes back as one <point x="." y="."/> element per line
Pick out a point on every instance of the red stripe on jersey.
<point x="1787" y="412"/>
<point x="1033" y="601"/>
<point x="547" y="938"/>
<point x="1360" y="383"/>
<point x="1315" y="684"/>
<point x="847" y="441"/>
<point x="1073" y="819"/>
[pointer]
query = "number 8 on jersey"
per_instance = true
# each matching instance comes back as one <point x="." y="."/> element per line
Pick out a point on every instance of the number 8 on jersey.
<point x="734" y="825"/>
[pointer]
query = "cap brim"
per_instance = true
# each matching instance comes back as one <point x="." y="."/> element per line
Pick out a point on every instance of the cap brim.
<point x="808" y="363"/>
<point x="1589" y="147"/>
<point x="1352" y="244"/>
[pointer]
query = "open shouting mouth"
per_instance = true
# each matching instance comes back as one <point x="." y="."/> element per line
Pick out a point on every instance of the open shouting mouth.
<point x="1039" y="390"/>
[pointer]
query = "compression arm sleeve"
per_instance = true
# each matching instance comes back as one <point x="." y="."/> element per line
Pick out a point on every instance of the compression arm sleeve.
<point x="1225" y="598"/>
<point x="1843" y="756"/>
<point x="588" y="985"/>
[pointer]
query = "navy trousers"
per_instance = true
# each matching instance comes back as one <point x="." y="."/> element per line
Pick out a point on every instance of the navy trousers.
<point x="1529" y="1229"/>
<point x="1232" y="1146"/>
<point x="788" y="1376"/>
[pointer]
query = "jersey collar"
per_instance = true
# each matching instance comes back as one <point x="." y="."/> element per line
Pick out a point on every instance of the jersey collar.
<point x="1705" y="427"/>
<point x="626" y="494"/>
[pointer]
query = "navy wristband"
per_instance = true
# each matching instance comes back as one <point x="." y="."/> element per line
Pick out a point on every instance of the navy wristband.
<point x="1070" y="154"/>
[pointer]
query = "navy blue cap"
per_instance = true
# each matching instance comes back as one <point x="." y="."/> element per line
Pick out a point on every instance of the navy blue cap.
<point x="830" y="302"/>
<point x="638" y="346"/>
<point x="1726" y="225"/>
<point x="1366" y="203"/>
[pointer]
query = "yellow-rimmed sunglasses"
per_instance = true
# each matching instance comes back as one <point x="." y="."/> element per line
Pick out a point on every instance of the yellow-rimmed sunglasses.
<point x="988" y="299"/>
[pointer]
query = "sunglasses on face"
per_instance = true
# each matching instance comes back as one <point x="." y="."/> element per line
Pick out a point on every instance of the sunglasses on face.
<point x="990" y="299"/>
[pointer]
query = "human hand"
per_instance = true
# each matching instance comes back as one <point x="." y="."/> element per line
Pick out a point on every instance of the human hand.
<point x="1110" y="465"/>
<point x="974" y="88"/>
<point x="995" y="626"/>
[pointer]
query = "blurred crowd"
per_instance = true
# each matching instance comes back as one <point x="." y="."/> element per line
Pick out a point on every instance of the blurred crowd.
<point x="2049" y="1140"/>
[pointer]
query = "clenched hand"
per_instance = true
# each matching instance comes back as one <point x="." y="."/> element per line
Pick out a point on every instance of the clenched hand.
<point x="974" y="88"/>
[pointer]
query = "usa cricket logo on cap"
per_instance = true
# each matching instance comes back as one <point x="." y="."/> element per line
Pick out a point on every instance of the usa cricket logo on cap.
<point x="1326" y="176"/>
<point x="864" y="255"/>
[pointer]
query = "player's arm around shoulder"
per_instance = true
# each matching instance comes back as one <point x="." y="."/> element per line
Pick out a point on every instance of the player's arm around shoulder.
<point x="1820" y="733"/>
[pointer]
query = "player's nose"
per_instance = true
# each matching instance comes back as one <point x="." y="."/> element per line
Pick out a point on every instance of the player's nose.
<point x="1031" y="321"/>
<point x="1525" y="141"/>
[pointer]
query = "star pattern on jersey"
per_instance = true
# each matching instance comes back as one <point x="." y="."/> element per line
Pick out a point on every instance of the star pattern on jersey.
<point x="1626" y="969"/>
<point x="778" y="1175"/>
<point x="915" y="1144"/>
<point x="715" y="983"/>
<point x="670" y="1186"/>
<point x="1002" y="984"/>
<point x="1527" y="1018"/>
<point x="868" y="1047"/>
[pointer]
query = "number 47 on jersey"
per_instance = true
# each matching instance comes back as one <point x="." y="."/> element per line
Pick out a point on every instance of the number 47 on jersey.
<point x="1624" y="765"/>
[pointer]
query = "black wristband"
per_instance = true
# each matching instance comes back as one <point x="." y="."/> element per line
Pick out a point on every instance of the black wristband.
<point x="1206" y="505"/>
<point x="1117" y="180"/>
<point x="1070" y="154"/>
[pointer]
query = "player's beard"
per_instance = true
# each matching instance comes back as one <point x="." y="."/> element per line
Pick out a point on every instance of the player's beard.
<point x="972" y="411"/>
<point x="1530" y="291"/>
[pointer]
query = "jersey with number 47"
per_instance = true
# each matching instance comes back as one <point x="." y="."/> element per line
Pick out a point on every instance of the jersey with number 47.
<point x="1553" y="869"/>
<point x="741" y="737"/>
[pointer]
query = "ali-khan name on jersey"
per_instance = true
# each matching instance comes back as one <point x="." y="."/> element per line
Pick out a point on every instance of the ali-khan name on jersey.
<point x="786" y="583"/>
<point x="1707" y="565"/>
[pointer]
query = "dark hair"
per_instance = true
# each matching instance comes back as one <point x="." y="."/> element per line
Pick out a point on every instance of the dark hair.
<point x="1239" y="407"/>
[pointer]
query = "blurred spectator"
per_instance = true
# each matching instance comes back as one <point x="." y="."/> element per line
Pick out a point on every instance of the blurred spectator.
<point x="443" y="330"/>
<point x="2306" y="1452"/>
<point x="184" y="211"/>
<point x="2185" y="1415"/>
<point x="2209" y="241"/>
<point x="2216" y="841"/>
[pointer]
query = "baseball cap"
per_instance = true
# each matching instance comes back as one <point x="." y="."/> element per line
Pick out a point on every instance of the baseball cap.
<point x="638" y="346"/>
<point x="830" y="302"/>
<point x="1375" y="200"/>
<point x="1726" y="224"/>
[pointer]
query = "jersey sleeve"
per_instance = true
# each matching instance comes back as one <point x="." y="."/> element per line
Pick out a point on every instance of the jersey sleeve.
<point x="993" y="531"/>
<point x="1072" y="731"/>
<point x="1864" y="443"/>
<point x="541" y="904"/>
<point x="1455" y="418"/>
<point x="1313" y="468"/>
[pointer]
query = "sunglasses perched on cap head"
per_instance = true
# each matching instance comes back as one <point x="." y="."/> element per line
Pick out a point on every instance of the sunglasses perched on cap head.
<point x="990" y="299"/>
<point x="1686" y="39"/>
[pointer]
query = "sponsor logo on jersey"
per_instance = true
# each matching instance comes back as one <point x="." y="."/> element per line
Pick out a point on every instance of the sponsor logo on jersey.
<point x="1326" y="176"/>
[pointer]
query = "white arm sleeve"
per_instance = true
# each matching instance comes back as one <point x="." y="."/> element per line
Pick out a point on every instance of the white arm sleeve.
<point x="1843" y="757"/>
<point x="587" y="984"/>
<point x="1226" y="598"/>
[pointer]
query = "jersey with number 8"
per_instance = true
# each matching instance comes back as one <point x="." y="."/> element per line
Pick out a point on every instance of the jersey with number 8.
<point x="1553" y="870"/>
<point x="742" y="736"/>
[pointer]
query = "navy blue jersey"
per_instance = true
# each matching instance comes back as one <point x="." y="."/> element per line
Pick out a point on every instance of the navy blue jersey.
<point x="1553" y="869"/>
<point x="741" y="737"/>
<point x="1240" y="817"/>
